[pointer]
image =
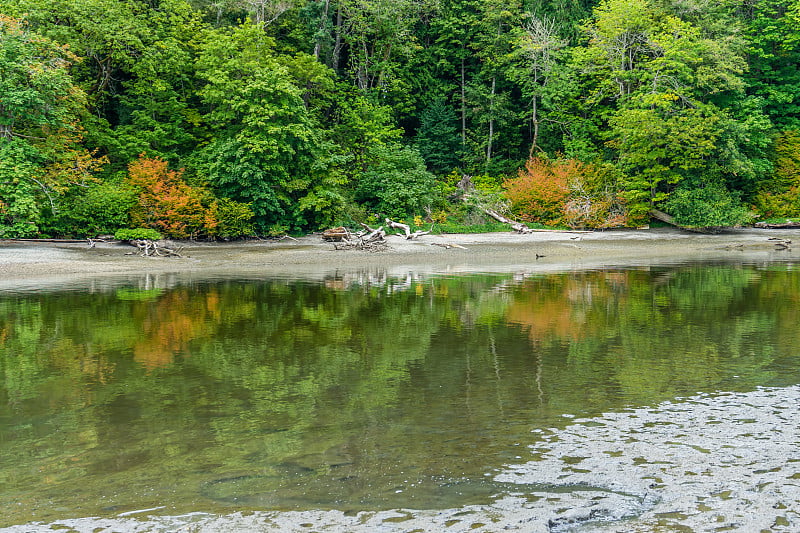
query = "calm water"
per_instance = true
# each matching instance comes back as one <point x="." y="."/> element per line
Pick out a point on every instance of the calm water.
<point x="357" y="392"/>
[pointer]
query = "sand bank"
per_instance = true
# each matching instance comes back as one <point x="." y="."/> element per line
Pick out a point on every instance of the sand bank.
<point x="26" y="262"/>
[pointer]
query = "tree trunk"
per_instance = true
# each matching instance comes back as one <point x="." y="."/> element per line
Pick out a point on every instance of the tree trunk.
<point x="322" y="23"/>
<point x="491" y="123"/>
<point x="535" y="123"/>
<point x="337" y="44"/>
<point x="463" y="105"/>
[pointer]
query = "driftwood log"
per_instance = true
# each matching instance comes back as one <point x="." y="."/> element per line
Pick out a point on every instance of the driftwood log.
<point x="448" y="245"/>
<point x="336" y="234"/>
<point x="406" y="229"/>
<point x="669" y="219"/>
<point x="519" y="227"/>
<point x="370" y="239"/>
<point x="783" y="225"/>
<point x="148" y="248"/>
<point x="781" y="244"/>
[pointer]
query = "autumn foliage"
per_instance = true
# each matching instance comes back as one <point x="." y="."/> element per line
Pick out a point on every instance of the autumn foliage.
<point x="541" y="190"/>
<point x="566" y="192"/>
<point x="176" y="209"/>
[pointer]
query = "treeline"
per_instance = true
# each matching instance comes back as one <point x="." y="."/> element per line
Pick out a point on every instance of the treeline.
<point x="235" y="117"/>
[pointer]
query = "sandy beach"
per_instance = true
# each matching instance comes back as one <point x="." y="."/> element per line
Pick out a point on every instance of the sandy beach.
<point x="48" y="263"/>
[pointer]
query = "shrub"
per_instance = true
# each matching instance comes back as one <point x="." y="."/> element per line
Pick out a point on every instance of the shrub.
<point x="709" y="206"/>
<point x="780" y="196"/>
<point x="541" y="190"/>
<point x="230" y="219"/>
<point x="568" y="192"/>
<point x="99" y="209"/>
<point x="136" y="234"/>
<point x="594" y="199"/>
<point x="396" y="182"/>
<point x="165" y="202"/>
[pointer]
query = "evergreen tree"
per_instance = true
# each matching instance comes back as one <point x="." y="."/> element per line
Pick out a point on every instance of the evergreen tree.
<point x="437" y="139"/>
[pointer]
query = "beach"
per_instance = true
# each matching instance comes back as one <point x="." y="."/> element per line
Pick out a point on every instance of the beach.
<point x="26" y="262"/>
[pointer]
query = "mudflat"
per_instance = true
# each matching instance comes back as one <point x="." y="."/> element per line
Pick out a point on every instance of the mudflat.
<point x="486" y="252"/>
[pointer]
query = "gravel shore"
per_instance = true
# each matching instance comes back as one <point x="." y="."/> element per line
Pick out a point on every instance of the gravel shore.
<point x="48" y="262"/>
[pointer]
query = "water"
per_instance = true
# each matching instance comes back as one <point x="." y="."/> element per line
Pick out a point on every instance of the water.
<point x="356" y="392"/>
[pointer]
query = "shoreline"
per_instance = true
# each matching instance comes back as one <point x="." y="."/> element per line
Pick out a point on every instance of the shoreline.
<point x="25" y="262"/>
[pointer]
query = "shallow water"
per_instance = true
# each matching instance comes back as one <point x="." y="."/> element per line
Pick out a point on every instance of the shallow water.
<point x="356" y="392"/>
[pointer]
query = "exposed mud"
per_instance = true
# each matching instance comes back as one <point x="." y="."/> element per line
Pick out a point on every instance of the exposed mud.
<point x="724" y="462"/>
<point x="24" y="263"/>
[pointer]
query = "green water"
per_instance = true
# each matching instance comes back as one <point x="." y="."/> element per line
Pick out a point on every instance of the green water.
<point x="355" y="392"/>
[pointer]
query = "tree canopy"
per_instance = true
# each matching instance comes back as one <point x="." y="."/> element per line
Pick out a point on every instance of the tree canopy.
<point x="311" y="113"/>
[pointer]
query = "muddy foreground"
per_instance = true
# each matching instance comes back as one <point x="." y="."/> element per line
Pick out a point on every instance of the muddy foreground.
<point x="726" y="462"/>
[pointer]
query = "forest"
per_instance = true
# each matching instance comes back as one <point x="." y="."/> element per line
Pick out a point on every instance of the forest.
<point x="228" y="118"/>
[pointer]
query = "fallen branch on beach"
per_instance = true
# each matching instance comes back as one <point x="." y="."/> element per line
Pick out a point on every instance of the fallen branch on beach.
<point x="519" y="227"/>
<point x="406" y="229"/>
<point x="369" y="239"/>
<point x="448" y="245"/>
<point x="148" y="248"/>
<point x="93" y="242"/>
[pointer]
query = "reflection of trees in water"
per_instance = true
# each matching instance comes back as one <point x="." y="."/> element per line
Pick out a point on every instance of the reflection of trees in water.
<point x="365" y="369"/>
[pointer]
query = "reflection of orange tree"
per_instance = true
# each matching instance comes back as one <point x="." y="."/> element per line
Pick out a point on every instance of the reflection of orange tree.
<point x="171" y="322"/>
<point x="557" y="307"/>
<point x="75" y="359"/>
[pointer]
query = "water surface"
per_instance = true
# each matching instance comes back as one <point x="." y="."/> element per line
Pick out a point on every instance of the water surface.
<point x="356" y="392"/>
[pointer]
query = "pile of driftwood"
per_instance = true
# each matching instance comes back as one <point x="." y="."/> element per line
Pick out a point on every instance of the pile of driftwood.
<point x="406" y="229"/>
<point x="148" y="248"/>
<point x="372" y="240"/>
<point x="368" y="238"/>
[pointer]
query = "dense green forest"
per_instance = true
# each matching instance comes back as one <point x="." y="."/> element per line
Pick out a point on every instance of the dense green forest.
<point x="223" y="118"/>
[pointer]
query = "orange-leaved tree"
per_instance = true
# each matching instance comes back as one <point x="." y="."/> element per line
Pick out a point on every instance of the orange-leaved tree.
<point x="167" y="203"/>
<point x="567" y="191"/>
<point x="540" y="191"/>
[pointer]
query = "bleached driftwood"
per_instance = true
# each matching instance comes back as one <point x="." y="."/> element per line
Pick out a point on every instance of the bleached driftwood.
<point x="148" y="248"/>
<point x="519" y="227"/>
<point x="406" y="229"/>
<point x="448" y="245"/>
<point x="373" y="240"/>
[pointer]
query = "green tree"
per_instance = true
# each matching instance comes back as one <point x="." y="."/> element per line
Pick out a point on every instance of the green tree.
<point x="41" y="155"/>
<point x="774" y="52"/>
<point x="396" y="183"/>
<point x="136" y="69"/>
<point x="263" y="145"/>
<point x="666" y="102"/>
<point x="779" y="196"/>
<point x="437" y="138"/>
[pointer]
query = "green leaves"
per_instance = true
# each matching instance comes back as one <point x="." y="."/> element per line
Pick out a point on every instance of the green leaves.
<point x="263" y="139"/>
<point x="396" y="183"/>
<point x="287" y="110"/>
<point x="708" y="206"/>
